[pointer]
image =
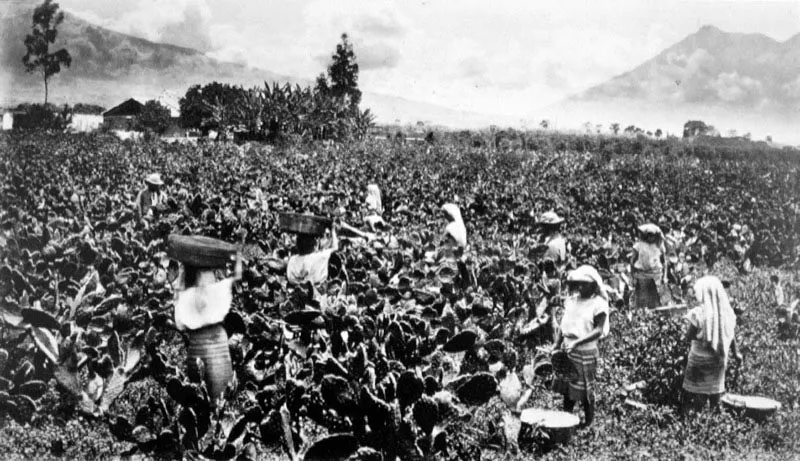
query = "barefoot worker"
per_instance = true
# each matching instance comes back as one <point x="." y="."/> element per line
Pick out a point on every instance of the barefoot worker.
<point x="710" y="330"/>
<point x="585" y="321"/>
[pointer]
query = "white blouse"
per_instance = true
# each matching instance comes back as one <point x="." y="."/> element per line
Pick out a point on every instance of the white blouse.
<point x="579" y="314"/>
<point x="199" y="307"/>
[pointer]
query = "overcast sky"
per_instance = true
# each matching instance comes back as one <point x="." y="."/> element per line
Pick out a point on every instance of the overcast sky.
<point x="490" y="56"/>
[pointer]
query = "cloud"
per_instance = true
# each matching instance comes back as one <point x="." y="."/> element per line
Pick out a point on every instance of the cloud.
<point x="792" y="89"/>
<point x="377" y="30"/>
<point x="732" y="87"/>
<point x="376" y="55"/>
<point x="192" y="29"/>
<point x="385" y="25"/>
<point x="184" y="23"/>
<point x="554" y="76"/>
<point x="472" y="68"/>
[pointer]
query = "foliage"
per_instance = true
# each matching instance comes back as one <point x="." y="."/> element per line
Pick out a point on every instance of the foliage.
<point x="76" y="263"/>
<point x="276" y="113"/>
<point x="694" y="128"/>
<point x="343" y="74"/>
<point x="46" y="19"/>
<point x="154" y="117"/>
<point x="42" y="117"/>
<point x="94" y="109"/>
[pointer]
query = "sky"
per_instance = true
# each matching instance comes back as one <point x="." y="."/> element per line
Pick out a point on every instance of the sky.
<point x="494" y="57"/>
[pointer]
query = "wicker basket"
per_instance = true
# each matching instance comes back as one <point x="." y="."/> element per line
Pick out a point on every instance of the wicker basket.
<point x="558" y="425"/>
<point x="198" y="251"/>
<point x="303" y="224"/>
<point x="756" y="408"/>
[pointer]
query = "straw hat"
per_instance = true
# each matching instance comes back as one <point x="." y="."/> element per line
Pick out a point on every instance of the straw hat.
<point x="154" y="179"/>
<point x="550" y="217"/>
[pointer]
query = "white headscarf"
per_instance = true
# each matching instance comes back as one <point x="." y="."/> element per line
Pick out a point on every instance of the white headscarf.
<point x="719" y="320"/>
<point x="374" y="199"/>
<point x="456" y="227"/>
<point x="587" y="273"/>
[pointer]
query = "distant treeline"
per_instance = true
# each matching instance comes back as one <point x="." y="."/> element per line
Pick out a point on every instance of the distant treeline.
<point x="640" y="144"/>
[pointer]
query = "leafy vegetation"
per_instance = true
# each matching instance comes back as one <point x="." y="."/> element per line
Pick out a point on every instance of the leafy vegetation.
<point x="87" y="305"/>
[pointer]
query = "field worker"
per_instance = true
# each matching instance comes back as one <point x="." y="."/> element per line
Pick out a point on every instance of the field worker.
<point x="585" y="321"/>
<point x="554" y="241"/>
<point x="648" y="266"/>
<point x="200" y="308"/>
<point x="374" y="208"/>
<point x="711" y="327"/>
<point x="151" y="196"/>
<point x="455" y="231"/>
<point x="310" y="262"/>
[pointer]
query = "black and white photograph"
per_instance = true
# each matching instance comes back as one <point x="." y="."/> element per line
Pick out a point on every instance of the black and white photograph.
<point x="384" y="230"/>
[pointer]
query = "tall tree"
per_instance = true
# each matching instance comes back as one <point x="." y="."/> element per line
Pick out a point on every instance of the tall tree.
<point x="154" y="117"/>
<point x="46" y="19"/>
<point x="343" y="73"/>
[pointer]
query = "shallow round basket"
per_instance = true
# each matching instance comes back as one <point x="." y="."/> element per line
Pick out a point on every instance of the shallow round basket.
<point x="303" y="224"/>
<point x="199" y="251"/>
<point x="558" y="425"/>
<point x="754" y="407"/>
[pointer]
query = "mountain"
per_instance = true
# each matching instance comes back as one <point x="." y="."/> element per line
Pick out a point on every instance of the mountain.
<point x="109" y="67"/>
<point x="739" y="71"/>
<point x="748" y="82"/>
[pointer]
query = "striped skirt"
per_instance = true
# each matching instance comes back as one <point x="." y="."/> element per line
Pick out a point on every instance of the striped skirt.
<point x="645" y="293"/>
<point x="580" y="384"/>
<point x="210" y="345"/>
<point x="705" y="374"/>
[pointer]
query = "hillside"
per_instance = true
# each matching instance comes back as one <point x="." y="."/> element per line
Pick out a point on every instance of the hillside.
<point x="746" y="82"/>
<point x="109" y="67"/>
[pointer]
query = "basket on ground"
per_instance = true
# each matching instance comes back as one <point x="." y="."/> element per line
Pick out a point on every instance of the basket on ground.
<point x="558" y="425"/>
<point x="199" y="251"/>
<point x="303" y="224"/>
<point x="757" y="408"/>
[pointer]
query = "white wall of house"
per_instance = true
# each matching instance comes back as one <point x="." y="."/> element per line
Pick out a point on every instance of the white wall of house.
<point x="84" y="123"/>
<point x="8" y="121"/>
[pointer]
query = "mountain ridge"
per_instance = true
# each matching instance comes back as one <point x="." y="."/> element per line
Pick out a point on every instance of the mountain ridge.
<point x="109" y="67"/>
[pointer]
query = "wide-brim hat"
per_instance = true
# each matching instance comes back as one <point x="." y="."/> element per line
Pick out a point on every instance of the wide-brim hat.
<point x="154" y="179"/>
<point x="550" y="218"/>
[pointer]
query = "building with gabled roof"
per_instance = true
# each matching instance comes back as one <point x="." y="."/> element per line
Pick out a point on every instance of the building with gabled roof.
<point x="123" y="116"/>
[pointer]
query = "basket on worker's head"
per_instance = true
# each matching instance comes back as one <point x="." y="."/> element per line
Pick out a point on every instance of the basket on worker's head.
<point x="304" y="224"/>
<point x="200" y="251"/>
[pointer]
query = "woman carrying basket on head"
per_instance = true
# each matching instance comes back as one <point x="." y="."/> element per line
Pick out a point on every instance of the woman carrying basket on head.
<point x="711" y="328"/>
<point x="313" y="252"/>
<point x="585" y="321"/>
<point x="648" y="267"/>
<point x="201" y="304"/>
